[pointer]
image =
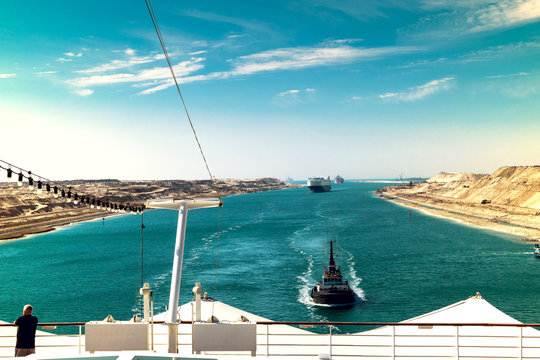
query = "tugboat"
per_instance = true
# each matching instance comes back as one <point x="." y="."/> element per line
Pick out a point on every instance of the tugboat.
<point x="333" y="290"/>
<point x="537" y="250"/>
<point x="338" y="180"/>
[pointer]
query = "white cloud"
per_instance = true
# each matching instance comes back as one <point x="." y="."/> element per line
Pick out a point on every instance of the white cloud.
<point x="159" y="73"/>
<point x="85" y="92"/>
<point x="504" y="14"/>
<point x="288" y="92"/>
<point x="46" y="72"/>
<point x="331" y="53"/>
<point x="451" y="18"/>
<point x="120" y="64"/>
<point x="71" y="54"/>
<point x="305" y="57"/>
<point x="327" y="54"/>
<point x="506" y="75"/>
<point x="419" y="92"/>
<point x="236" y="36"/>
<point x="5" y="76"/>
<point x="294" y="96"/>
<point x="129" y="52"/>
<point x="62" y="59"/>
<point x="365" y="10"/>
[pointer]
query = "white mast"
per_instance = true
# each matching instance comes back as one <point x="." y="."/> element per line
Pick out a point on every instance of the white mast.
<point x="172" y="319"/>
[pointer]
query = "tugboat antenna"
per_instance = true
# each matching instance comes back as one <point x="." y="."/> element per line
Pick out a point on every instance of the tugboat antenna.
<point x="332" y="263"/>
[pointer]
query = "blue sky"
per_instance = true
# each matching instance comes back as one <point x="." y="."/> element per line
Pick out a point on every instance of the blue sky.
<point x="365" y="89"/>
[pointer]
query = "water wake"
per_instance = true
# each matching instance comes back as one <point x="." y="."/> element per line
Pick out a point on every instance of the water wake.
<point x="354" y="279"/>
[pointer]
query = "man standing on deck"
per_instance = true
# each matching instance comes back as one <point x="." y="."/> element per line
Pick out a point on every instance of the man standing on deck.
<point x="26" y="332"/>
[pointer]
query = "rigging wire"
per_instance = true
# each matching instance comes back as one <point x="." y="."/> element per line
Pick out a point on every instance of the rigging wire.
<point x="165" y="52"/>
<point x="140" y="273"/>
<point x="217" y="253"/>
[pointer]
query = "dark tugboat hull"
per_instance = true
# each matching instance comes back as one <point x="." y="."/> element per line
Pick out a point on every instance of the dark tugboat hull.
<point x="332" y="298"/>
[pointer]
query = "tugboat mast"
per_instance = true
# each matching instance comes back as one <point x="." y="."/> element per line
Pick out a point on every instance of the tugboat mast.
<point x="332" y="263"/>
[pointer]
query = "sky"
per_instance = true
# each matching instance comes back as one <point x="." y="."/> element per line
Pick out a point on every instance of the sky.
<point x="365" y="89"/>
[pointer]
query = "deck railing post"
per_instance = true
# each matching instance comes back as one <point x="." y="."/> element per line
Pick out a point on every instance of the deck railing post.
<point x="267" y="341"/>
<point x="393" y="342"/>
<point x="457" y="342"/>
<point x="330" y="342"/>
<point x="521" y="343"/>
<point x="80" y="338"/>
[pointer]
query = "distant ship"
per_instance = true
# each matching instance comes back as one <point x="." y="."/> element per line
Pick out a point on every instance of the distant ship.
<point x="333" y="290"/>
<point x="338" y="180"/>
<point x="537" y="250"/>
<point x="318" y="184"/>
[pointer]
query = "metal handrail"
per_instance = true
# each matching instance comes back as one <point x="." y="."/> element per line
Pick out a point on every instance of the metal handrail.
<point x="325" y="323"/>
<point x="339" y="350"/>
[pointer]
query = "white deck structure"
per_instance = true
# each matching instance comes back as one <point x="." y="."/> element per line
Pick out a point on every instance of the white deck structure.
<point x="504" y="338"/>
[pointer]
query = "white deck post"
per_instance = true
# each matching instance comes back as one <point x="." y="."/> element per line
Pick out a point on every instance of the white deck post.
<point x="171" y="319"/>
<point x="174" y="294"/>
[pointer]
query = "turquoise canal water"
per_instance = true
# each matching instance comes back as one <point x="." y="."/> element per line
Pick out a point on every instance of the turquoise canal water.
<point x="271" y="250"/>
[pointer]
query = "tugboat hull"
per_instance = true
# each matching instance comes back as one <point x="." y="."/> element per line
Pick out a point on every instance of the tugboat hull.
<point x="332" y="298"/>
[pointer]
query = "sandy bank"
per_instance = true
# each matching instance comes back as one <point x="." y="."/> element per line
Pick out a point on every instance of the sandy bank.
<point x="526" y="234"/>
<point x="23" y="212"/>
<point x="505" y="201"/>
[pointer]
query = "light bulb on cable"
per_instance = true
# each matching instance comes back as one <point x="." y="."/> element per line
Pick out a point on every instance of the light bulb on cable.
<point x="39" y="187"/>
<point x="30" y="181"/>
<point x="20" y="180"/>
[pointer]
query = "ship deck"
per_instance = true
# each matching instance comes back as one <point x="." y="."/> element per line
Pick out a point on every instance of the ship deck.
<point x="469" y="329"/>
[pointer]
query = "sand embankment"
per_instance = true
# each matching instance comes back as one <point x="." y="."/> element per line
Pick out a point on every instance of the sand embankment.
<point x="507" y="200"/>
<point x="24" y="212"/>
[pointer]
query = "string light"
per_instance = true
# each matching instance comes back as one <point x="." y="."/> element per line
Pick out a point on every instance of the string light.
<point x="41" y="184"/>
<point x="30" y="181"/>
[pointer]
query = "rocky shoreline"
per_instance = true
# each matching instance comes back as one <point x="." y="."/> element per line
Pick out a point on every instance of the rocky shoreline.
<point x="504" y="201"/>
<point x="24" y="212"/>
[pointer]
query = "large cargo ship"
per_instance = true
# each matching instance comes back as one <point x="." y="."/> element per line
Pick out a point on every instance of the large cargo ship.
<point x="319" y="184"/>
<point x="338" y="180"/>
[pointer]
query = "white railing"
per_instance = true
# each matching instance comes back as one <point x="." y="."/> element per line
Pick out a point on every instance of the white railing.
<point x="386" y="341"/>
